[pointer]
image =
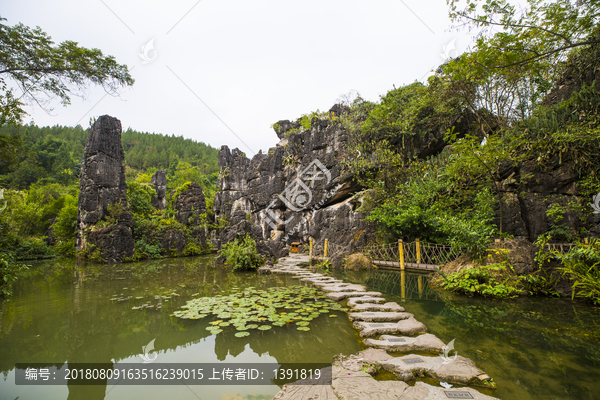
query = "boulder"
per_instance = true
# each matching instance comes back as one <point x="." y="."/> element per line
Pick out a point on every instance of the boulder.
<point x="159" y="181"/>
<point x="102" y="187"/>
<point x="190" y="204"/>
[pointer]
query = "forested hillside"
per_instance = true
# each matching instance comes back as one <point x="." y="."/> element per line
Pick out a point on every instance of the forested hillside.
<point x="53" y="154"/>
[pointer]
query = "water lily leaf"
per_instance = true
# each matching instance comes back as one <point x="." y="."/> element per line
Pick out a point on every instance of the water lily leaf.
<point x="242" y="334"/>
<point x="303" y="328"/>
<point x="264" y="327"/>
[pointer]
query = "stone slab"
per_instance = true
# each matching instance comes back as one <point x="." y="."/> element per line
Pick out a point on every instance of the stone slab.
<point x="342" y="287"/>
<point x="423" y="391"/>
<point x="353" y="301"/>
<point x="344" y="295"/>
<point x="409" y="326"/>
<point x="394" y="344"/>
<point x="460" y="371"/>
<point x="318" y="280"/>
<point x="390" y="306"/>
<point x="379" y="316"/>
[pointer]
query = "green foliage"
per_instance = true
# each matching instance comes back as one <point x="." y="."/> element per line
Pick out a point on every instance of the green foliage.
<point x="34" y="249"/>
<point x="582" y="265"/>
<point x="492" y="280"/>
<point x="9" y="273"/>
<point x="43" y="70"/>
<point x="241" y="254"/>
<point x="305" y="122"/>
<point x="139" y="197"/>
<point x="66" y="226"/>
<point x="424" y="206"/>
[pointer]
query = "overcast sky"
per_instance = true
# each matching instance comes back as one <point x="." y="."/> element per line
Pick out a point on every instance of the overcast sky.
<point x="222" y="72"/>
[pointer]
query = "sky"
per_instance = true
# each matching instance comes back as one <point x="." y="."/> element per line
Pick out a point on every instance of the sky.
<point x="222" y="72"/>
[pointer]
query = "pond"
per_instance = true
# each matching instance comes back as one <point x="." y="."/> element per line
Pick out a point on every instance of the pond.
<point x="95" y="313"/>
<point x="533" y="347"/>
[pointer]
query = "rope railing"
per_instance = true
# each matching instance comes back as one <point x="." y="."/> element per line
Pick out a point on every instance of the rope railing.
<point x="414" y="254"/>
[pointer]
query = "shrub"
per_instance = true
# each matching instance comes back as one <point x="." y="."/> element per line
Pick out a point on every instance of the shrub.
<point x="492" y="280"/>
<point x="582" y="264"/>
<point x="241" y="254"/>
<point x="9" y="272"/>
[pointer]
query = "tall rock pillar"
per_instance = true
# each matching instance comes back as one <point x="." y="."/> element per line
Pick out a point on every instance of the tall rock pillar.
<point x="103" y="196"/>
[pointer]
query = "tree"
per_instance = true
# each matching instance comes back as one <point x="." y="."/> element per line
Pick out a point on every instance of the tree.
<point x="518" y="55"/>
<point x="43" y="71"/>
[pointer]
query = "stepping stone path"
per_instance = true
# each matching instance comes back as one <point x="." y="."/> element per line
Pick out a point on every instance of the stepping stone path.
<point x="423" y="343"/>
<point x="391" y="306"/>
<point x="345" y="295"/>
<point x="373" y="316"/>
<point x="365" y="299"/>
<point x="409" y="326"/>
<point x="379" y="316"/>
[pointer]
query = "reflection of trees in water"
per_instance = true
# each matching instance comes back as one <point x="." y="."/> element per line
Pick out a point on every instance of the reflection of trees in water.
<point x="416" y="286"/>
<point x="327" y="337"/>
<point x="68" y="305"/>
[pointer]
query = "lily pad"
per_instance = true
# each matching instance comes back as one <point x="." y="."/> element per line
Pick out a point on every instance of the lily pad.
<point x="264" y="327"/>
<point x="242" y="334"/>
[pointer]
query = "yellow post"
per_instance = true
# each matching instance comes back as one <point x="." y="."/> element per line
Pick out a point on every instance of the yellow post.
<point x="420" y="282"/>
<point x="325" y="249"/>
<point x="310" y="250"/>
<point x="403" y="284"/>
<point x="586" y="241"/>
<point x="418" y="251"/>
<point x="401" y="254"/>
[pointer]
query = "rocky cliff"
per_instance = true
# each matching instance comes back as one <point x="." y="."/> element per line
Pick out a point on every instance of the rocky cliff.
<point x="295" y="192"/>
<point x="103" y="195"/>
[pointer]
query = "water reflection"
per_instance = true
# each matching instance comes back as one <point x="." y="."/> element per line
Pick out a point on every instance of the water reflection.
<point x="533" y="347"/>
<point x="63" y="312"/>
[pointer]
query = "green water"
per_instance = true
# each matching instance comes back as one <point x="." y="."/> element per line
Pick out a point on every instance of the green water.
<point x="533" y="348"/>
<point x="63" y="312"/>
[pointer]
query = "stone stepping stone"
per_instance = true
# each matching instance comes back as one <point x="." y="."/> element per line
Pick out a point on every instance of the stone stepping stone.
<point x="319" y="280"/>
<point x="391" y="306"/>
<point x="300" y="390"/>
<point x="460" y="370"/>
<point x="422" y="390"/>
<point x="409" y="326"/>
<point x="422" y="343"/>
<point x="339" y="283"/>
<point x="372" y="316"/>
<point x="343" y="287"/>
<point x="358" y="385"/>
<point x="353" y="301"/>
<point x="344" y="295"/>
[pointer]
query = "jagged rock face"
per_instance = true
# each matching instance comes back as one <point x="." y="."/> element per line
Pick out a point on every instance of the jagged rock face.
<point x="190" y="204"/>
<point x="102" y="183"/>
<point x="529" y="193"/>
<point x="159" y="181"/>
<point x="295" y="192"/>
